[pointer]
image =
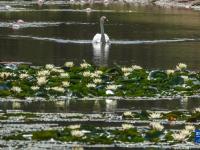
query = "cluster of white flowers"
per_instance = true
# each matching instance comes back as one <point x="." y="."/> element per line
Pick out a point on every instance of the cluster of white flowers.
<point x="91" y="85"/>
<point x="183" y="134"/>
<point x="98" y="72"/>
<point x="69" y="64"/>
<point x="49" y="66"/>
<point x="43" y="73"/>
<point x="64" y="75"/>
<point x="5" y="75"/>
<point x="23" y="76"/>
<point x="128" y="114"/>
<point x="73" y="127"/>
<point x="169" y="72"/>
<point x="41" y="80"/>
<point x="155" y="115"/>
<point x="58" y="89"/>
<point x="136" y="67"/>
<point x="156" y="126"/>
<point x="96" y="81"/>
<point x="127" y="126"/>
<point x="16" y="89"/>
<point x="91" y="74"/>
<point x="185" y="78"/>
<point x="34" y="88"/>
<point x="181" y="66"/>
<point x="127" y="74"/>
<point x="85" y="65"/>
<point x="77" y="133"/>
<point x="65" y="83"/>
<point x="111" y="87"/>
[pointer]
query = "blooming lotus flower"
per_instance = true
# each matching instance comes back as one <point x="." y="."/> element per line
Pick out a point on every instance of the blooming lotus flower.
<point x="86" y="74"/>
<point x="197" y="110"/>
<point x="5" y="75"/>
<point x="109" y="92"/>
<point x="185" y="78"/>
<point x="64" y="75"/>
<point x="178" y="137"/>
<point x="58" y="70"/>
<point x="77" y="133"/>
<point x="156" y="126"/>
<point x="85" y="65"/>
<point x="127" y="126"/>
<point x="99" y="72"/>
<point x="69" y="64"/>
<point x="128" y="114"/>
<point x="16" y="89"/>
<point x="73" y="127"/>
<point x="181" y="66"/>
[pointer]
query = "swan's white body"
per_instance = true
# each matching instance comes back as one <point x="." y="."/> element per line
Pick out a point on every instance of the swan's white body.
<point x="97" y="38"/>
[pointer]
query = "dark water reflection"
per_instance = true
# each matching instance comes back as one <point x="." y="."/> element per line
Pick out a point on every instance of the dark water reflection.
<point x="59" y="32"/>
<point x="94" y="106"/>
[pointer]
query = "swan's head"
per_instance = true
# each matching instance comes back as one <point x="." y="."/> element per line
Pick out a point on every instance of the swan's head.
<point x="103" y="19"/>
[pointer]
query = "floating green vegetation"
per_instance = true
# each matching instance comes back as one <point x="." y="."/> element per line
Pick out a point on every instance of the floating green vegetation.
<point x="23" y="81"/>
<point x="6" y="116"/>
<point x="127" y="133"/>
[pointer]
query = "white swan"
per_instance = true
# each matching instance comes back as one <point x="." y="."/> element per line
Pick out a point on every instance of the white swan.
<point x="101" y="37"/>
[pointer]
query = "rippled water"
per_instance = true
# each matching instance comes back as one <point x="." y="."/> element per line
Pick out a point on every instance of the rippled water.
<point x="59" y="31"/>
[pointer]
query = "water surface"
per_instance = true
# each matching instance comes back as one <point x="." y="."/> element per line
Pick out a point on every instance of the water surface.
<point x="58" y="31"/>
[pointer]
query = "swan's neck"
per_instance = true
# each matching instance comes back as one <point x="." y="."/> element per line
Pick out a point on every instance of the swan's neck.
<point x="103" y="40"/>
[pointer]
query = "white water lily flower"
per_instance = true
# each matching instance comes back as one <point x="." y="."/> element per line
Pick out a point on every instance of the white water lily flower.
<point x="179" y="137"/>
<point x="181" y="66"/>
<point x="49" y="66"/>
<point x="111" y="87"/>
<point x="41" y="80"/>
<point x="73" y="127"/>
<point x="127" y="114"/>
<point x="77" y="133"/>
<point x="109" y="92"/>
<point x="127" y="126"/>
<point x="126" y="69"/>
<point x="156" y="126"/>
<point x="58" y="70"/>
<point x="185" y="78"/>
<point x="23" y="76"/>
<point x="155" y="115"/>
<point x="64" y="75"/>
<point x="185" y="132"/>
<point x="5" y="75"/>
<point x="170" y="72"/>
<point x="99" y="72"/>
<point x="69" y="64"/>
<point x="43" y="73"/>
<point x="96" y="81"/>
<point x="127" y="74"/>
<point x="85" y="65"/>
<point x="65" y="83"/>
<point x="86" y="74"/>
<point x="91" y="85"/>
<point x="136" y="67"/>
<point x="16" y="89"/>
<point x="197" y="110"/>
<point x="58" y="89"/>
<point x="34" y="88"/>
<point x="190" y="128"/>
<point x="94" y="75"/>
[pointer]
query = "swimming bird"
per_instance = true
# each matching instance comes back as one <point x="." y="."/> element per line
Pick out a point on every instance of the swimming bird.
<point x="101" y="37"/>
<point x="16" y="25"/>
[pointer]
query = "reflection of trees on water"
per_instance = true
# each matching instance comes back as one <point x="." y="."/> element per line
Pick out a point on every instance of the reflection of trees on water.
<point x="100" y="53"/>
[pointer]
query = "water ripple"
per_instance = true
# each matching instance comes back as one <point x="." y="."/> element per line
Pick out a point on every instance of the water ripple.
<point x="117" y="42"/>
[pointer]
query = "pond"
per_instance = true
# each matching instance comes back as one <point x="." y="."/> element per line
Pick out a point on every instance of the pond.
<point x="57" y="32"/>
